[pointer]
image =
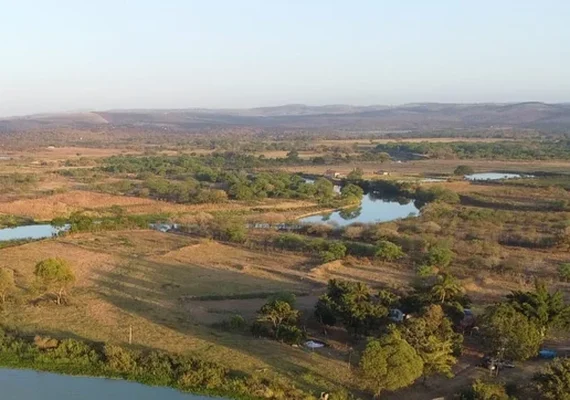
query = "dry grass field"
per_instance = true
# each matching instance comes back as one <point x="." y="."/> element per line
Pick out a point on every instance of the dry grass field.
<point x="147" y="280"/>
<point x="422" y="168"/>
<point x="63" y="204"/>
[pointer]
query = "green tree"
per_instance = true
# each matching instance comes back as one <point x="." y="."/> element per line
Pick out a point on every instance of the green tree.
<point x="445" y="288"/>
<point x="433" y="338"/>
<point x="546" y="310"/>
<point x="7" y="285"/>
<point x="463" y="170"/>
<point x="351" y="191"/>
<point x="55" y="275"/>
<point x="355" y="175"/>
<point x="388" y="251"/>
<point x="485" y="391"/>
<point x="334" y="251"/>
<point x="324" y="189"/>
<point x="510" y="333"/>
<point x="553" y="383"/>
<point x="439" y="255"/>
<point x="390" y="363"/>
<point x="353" y="305"/>
<point x="280" y="314"/>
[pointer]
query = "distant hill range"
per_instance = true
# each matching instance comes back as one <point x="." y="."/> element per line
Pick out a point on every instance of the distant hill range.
<point x="407" y="117"/>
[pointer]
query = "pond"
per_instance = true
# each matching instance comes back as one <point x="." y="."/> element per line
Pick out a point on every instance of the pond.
<point x="372" y="209"/>
<point x="494" y="176"/>
<point x="31" y="232"/>
<point x="32" y="385"/>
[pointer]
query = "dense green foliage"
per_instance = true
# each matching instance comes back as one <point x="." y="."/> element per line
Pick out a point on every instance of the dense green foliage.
<point x="282" y="319"/>
<point x="485" y="391"/>
<point x="352" y="304"/>
<point x="215" y="178"/>
<point x="506" y="150"/>
<point x="54" y="275"/>
<point x="183" y="372"/>
<point x="433" y="338"/>
<point x="553" y="383"/>
<point x="510" y="333"/>
<point x="390" y="363"/>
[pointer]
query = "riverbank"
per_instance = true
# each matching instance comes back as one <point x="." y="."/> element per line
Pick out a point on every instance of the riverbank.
<point x="149" y="367"/>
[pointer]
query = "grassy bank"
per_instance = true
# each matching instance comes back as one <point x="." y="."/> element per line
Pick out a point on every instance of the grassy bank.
<point x="150" y="367"/>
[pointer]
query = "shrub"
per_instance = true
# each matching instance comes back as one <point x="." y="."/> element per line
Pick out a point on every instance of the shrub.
<point x="388" y="251"/>
<point x="197" y="373"/>
<point x="120" y="359"/>
<point x="291" y="241"/>
<point x="485" y="391"/>
<point x="463" y="170"/>
<point x="290" y="334"/>
<point x="75" y="351"/>
<point x="564" y="272"/>
<point x="287" y="297"/>
<point x="439" y="255"/>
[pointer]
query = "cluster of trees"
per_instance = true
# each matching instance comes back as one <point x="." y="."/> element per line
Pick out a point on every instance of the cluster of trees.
<point x="330" y="250"/>
<point x="517" y="150"/>
<point x="215" y="178"/>
<point x="516" y="328"/>
<point x="398" y="354"/>
<point x="117" y="220"/>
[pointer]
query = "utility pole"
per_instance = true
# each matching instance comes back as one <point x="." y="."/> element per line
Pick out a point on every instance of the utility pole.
<point x="130" y="334"/>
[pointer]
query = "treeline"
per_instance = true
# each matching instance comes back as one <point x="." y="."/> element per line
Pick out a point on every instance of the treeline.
<point x="516" y="150"/>
<point x="152" y="367"/>
<point x="118" y="220"/>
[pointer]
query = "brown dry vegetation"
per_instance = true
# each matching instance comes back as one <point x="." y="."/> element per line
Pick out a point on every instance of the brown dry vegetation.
<point x="63" y="204"/>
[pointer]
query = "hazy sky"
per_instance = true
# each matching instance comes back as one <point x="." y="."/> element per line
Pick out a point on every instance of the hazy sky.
<point x="60" y="55"/>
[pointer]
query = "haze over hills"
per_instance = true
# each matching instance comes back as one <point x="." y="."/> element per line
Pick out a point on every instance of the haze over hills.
<point x="412" y="117"/>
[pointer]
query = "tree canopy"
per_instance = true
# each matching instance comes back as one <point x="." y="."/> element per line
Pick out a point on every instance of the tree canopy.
<point x="390" y="363"/>
<point x="56" y="275"/>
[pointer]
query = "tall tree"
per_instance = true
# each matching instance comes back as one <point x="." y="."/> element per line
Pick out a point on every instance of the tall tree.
<point x="279" y="313"/>
<point x="547" y="310"/>
<point x="390" y="363"/>
<point x="433" y="338"/>
<point x="445" y="288"/>
<point x="510" y="333"/>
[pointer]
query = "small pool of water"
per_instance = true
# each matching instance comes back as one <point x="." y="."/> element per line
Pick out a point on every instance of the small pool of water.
<point x="32" y="385"/>
<point x="42" y="231"/>
<point x="372" y="209"/>
<point x="494" y="176"/>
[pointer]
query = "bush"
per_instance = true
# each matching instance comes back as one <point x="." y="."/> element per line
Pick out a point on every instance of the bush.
<point x="463" y="170"/>
<point x="485" y="391"/>
<point x="439" y="255"/>
<point x="120" y="359"/>
<point x="291" y="241"/>
<point x="196" y="373"/>
<point x="290" y="334"/>
<point x="388" y="251"/>
<point x="564" y="272"/>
